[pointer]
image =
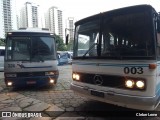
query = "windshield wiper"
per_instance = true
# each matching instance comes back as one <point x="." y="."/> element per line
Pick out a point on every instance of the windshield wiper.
<point x="39" y="58"/>
<point x="90" y="49"/>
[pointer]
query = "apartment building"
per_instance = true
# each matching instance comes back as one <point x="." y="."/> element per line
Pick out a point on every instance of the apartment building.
<point x="54" y="20"/>
<point x="8" y="16"/>
<point x="30" y="15"/>
<point x="2" y="32"/>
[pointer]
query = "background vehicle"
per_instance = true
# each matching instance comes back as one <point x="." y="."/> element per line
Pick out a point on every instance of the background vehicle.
<point x="2" y="53"/>
<point x="121" y="65"/>
<point x="64" y="57"/>
<point x="30" y="58"/>
<point x="70" y="55"/>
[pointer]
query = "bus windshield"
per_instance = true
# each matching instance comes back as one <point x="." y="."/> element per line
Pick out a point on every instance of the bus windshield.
<point x="118" y="36"/>
<point x="35" y="48"/>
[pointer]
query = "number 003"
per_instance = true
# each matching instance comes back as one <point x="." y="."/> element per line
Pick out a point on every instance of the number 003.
<point x="133" y="70"/>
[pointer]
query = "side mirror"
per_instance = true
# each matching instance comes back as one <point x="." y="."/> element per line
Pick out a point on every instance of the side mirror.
<point x="158" y="26"/>
<point x="57" y="43"/>
<point x="158" y="23"/>
<point x="67" y="38"/>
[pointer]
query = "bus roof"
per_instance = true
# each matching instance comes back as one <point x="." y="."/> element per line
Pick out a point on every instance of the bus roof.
<point x="36" y="30"/>
<point x="116" y="12"/>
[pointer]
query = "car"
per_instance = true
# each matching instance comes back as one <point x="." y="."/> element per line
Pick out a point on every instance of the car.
<point x="64" y="57"/>
<point x="70" y="55"/>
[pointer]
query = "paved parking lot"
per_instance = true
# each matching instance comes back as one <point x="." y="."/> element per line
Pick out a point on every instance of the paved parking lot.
<point x="54" y="102"/>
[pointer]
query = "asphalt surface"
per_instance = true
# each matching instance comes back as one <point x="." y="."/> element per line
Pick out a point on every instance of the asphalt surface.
<point x="58" y="102"/>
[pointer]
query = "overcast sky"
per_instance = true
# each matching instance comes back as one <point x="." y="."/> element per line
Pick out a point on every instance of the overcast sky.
<point x="83" y="8"/>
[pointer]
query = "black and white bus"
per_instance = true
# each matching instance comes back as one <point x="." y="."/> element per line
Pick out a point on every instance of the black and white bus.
<point x="121" y="65"/>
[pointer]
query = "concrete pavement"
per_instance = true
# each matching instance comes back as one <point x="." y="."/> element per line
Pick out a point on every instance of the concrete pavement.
<point x="56" y="103"/>
<point x="52" y="103"/>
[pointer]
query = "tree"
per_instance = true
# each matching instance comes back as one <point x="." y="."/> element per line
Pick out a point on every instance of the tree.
<point x="60" y="45"/>
<point x="70" y="45"/>
<point x="2" y="42"/>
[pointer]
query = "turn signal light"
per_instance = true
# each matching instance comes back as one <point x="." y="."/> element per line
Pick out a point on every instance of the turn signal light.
<point x="152" y="66"/>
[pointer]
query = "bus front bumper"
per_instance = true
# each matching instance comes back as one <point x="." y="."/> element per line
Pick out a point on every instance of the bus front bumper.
<point x="134" y="102"/>
<point x="31" y="81"/>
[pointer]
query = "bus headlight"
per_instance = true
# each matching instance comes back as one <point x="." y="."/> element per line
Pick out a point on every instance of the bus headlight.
<point x="129" y="83"/>
<point x="75" y="76"/>
<point x="9" y="83"/>
<point x="140" y="84"/>
<point x="135" y="84"/>
<point x="51" y="81"/>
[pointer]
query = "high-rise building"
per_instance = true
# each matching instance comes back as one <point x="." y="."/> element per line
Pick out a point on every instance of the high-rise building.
<point x="8" y="16"/>
<point x="54" y="20"/>
<point x="70" y="27"/>
<point x="2" y="32"/>
<point x="30" y="16"/>
<point x="60" y="23"/>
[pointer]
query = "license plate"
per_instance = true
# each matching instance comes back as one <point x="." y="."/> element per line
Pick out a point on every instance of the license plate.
<point x="96" y="93"/>
<point x="31" y="82"/>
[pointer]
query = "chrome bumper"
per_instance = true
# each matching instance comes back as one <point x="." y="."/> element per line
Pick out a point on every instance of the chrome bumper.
<point x="135" y="102"/>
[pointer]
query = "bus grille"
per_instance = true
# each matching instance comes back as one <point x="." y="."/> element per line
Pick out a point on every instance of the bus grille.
<point x="103" y="80"/>
<point x="30" y="74"/>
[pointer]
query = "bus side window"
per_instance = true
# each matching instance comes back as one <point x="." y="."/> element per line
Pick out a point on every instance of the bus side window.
<point x="158" y="45"/>
<point x="158" y="39"/>
<point x="2" y="52"/>
<point x="158" y="23"/>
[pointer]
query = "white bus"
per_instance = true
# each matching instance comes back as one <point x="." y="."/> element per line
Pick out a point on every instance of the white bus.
<point x="122" y="63"/>
<point x="30" y="58"/>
